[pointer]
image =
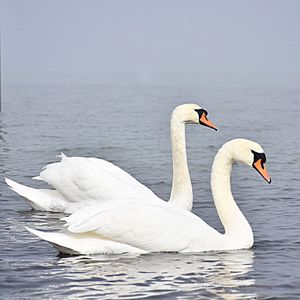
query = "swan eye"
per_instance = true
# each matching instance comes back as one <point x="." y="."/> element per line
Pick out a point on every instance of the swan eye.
<point x="258" y="164"/>
<point x="200" y="112"/>
<point x="258" y="156"/>
<point x="203" y="118"/>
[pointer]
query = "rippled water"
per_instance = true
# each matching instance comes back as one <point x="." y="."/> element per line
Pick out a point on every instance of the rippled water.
<point x="129" y="126"/>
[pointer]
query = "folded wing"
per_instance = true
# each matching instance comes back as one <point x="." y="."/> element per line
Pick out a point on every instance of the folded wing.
<point x="148" y="226"/>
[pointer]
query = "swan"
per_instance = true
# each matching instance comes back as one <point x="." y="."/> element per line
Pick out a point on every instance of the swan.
<point x="80" y="181"/>
<point x="115" y="227"/>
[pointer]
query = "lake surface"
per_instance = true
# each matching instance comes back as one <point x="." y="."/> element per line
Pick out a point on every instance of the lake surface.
<point x="129" y="126"/>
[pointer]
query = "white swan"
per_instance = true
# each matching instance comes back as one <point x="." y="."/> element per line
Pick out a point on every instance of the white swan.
<point x="148" y="226"/>
<point x="80" y="181"/>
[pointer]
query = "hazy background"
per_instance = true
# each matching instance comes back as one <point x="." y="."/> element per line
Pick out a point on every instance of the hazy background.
<point x="151" y="42"/>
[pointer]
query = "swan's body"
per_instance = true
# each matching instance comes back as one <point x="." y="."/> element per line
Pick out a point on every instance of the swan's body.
<point x="76" y="182"/>
<point x="152" y="226"/>
<point x="79" y="181"/>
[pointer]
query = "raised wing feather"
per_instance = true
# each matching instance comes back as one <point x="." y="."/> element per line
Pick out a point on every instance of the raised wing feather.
<point x="91" y="179"/>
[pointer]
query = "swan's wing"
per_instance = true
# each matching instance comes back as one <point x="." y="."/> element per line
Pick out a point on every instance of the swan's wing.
<point x="81" y="179"/>
<point x="85" y="243"/>
<point x="145" y="225"/>
<point x="39" y="199"/>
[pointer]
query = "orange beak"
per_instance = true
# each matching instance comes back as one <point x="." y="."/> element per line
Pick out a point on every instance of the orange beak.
<point x="204" y="121"/>
<point x="262" y="170"/>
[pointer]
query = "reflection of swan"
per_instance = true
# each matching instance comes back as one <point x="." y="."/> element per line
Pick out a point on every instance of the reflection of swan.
<point x="221" y="275"/>
<point x="4" y="148"/>
<point x="81" y="181"/>
<point x="133" y="226"/>
<point x="2" y="131"/>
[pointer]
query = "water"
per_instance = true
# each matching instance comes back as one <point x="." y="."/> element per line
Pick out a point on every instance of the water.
<point x="129" y="126"/>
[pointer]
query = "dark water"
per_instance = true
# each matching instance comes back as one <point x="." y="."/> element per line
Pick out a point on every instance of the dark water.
<point x="129" y="126"/>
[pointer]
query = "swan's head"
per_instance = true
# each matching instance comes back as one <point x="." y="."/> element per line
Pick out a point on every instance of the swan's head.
<point x="192" y="114"/>
<point x="250" y="153"/>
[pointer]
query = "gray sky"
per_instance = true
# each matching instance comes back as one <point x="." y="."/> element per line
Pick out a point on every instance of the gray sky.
<point x="156" y="41"/>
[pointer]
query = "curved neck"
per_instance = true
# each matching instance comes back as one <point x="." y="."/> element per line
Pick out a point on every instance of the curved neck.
<point x="182" y="193"/>
<point x="237" y="228"/>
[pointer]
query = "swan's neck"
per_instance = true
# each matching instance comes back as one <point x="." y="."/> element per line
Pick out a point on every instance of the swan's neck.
<point x="237" y="228"/>
<point x="182" y="193"/>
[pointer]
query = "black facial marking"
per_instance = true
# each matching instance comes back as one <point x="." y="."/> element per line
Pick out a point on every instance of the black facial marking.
<point x="258" y="156"/>
<point x="200" y="111"/>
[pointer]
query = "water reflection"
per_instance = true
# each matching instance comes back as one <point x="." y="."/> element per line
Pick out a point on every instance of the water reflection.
<point x="216" y="275"/>
<point x="221" y="275"/>
<point x="3" y="148"/>
<point x="2" y="130"/>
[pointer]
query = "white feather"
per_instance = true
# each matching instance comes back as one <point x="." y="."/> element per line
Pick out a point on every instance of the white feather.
<point x="131" y="225"/>
<point x="39" y="199"/>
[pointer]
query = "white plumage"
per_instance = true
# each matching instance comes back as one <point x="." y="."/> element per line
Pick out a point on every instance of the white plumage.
<point x="130" y="225"/>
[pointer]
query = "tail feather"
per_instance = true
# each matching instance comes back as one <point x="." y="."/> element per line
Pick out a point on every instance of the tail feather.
<point x="62" y="242"/>
<point x="39" y="199"/>
<point x="62" y="156"/>
<point x="83" y="243"/>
